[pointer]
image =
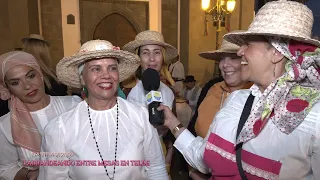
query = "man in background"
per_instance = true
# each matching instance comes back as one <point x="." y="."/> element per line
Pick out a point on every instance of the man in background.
<point x="191" y="92"/>
<point x="176" y="70"/>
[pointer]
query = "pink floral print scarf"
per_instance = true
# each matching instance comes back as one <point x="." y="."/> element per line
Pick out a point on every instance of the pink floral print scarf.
<point x="289" y="99"/>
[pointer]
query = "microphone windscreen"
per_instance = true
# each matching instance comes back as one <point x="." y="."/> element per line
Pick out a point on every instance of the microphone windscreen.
<point x="151" y="79"/>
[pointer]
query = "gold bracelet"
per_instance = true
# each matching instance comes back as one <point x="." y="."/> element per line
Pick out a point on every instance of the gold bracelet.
<point x="176" y="129"/>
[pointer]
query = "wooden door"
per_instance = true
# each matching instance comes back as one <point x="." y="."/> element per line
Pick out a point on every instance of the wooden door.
<point x="116" y="29"/>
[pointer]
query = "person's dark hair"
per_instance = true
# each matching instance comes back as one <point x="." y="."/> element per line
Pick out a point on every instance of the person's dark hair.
<point x="138" y="51"/>
<point x="269" y="45"/>
<point x="138" y="72"/>
<point x="17" y="49"/>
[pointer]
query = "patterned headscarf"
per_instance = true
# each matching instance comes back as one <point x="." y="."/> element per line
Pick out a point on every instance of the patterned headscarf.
<point x="289" y="99"/>
<point x="24" y="131"/>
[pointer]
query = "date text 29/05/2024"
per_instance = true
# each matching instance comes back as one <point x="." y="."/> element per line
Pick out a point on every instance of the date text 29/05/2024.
<point x="53" y="154"/>
<point x="86" y="163"/>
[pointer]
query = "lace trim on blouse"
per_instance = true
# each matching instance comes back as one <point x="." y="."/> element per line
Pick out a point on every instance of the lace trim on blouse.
<point x="247" y="167"/>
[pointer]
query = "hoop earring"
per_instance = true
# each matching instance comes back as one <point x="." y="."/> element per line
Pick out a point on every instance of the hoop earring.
<point x="274" y="70"/>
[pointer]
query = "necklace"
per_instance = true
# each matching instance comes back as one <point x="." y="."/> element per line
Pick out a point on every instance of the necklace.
<point x="116" y="146"/>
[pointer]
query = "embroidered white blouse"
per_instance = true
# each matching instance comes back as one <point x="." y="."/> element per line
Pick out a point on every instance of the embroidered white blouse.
<point x="11" y="156"/>
<point x="138" y="95"/>
<point x="271" y="155"/>
<point x="137" y="141"/>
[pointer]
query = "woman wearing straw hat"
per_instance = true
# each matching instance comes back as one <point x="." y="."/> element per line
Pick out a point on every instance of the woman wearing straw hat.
<point x="230" y="67"/>
<point x="156" y="54"/>
<point x="21" y="81"/>
<point x="36" y="45"/>
<point x="271" y="131"/>
<point x="104" y="127"/>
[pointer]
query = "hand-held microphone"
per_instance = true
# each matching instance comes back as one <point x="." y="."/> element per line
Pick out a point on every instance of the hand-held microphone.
<point x="151" y="83"/>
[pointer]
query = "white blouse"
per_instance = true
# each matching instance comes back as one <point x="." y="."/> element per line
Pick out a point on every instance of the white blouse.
<point x="271" y="155"/>
<point x="138" y="95"/>
<point x="12" y="156"/>
<point x="137" y="141"/>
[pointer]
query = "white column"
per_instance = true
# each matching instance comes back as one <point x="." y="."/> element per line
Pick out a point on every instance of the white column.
<point x="155" y="15"/>
<point x="70" y="32"/>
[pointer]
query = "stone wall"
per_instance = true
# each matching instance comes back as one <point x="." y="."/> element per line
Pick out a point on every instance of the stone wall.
<point x="52" y="27"/>
<point x="5" y="34"/>
<point x="33" y="17"/>
<point x="184" y="33"/>
<point x="92" y="12"/>
<point x="170" y="21"/>
<point x="18" y="19"/>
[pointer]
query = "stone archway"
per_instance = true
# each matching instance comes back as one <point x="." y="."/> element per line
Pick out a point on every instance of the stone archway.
<point x="115" y="28"/>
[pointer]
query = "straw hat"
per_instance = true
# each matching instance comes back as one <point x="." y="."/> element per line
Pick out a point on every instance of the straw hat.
<point x="35" y="36"/>
<point x="67" y="68"/>
<point x="226" y="49"/>
<point x="287" y="19"/>
<point x="151" y="37"/>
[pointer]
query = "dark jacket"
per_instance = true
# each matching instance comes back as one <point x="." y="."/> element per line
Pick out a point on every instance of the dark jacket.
<point x="203" y="94"/>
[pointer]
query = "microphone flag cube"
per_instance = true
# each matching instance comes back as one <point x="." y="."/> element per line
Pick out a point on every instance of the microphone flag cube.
<point x="154" y="96"/>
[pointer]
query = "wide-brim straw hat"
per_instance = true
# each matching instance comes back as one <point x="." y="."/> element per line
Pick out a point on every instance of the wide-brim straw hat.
<point x="151" y="37"/>
<point x="36" y="37"/>
<point x="286" y="19"/>
<point x="68" y="68"/>
<point x="226" y="49"/>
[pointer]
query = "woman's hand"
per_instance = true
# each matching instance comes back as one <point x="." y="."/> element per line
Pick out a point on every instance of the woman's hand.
<point x="33" y="175"/>
<point x="170" y="120"/>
